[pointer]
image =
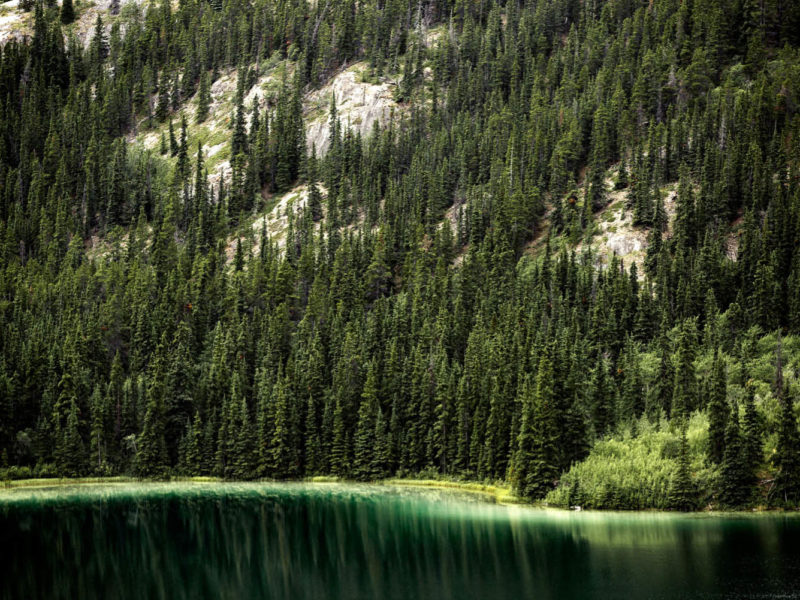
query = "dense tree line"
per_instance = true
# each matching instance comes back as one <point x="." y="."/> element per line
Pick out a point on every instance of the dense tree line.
<point x="427" y="310"/>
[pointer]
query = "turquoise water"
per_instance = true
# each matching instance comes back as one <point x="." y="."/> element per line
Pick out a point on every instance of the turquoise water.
<point x="322" y="541"/>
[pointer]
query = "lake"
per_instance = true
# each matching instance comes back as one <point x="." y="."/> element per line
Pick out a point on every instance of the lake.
<point x="271" y="540"/>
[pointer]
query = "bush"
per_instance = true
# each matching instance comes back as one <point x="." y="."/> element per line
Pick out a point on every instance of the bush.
<point x="15" y="472"/>
<point x="630" y="473"/>
<point x="45" y="470"/>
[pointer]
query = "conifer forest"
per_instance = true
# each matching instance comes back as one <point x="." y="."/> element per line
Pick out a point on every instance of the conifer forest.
<point x="565" y="256"/>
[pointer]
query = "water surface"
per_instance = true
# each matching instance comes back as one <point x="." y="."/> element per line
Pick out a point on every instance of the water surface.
<point x="322" y="541"/>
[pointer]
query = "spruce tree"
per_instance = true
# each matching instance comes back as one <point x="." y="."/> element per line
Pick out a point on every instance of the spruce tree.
<point x="314" y="196"/>
<point x="313" y="441"/>
<point x="193" y="460"/>
<point x="283" y="453"/>
<point x="99" y="436"/>
<point x="536" y="463"/>
<point x="526" y="442"/>
<point x="151" y="449"/>
<point x="717" y="410"/>
<point x="163" y="102"/>
<point x="203" y="98"/>
<point x="632" y="392"/>
<point x="684" y="395"/>
<point x="752" y="449"/>
<point x="73" y="458"/>
<point x="173" y="142"/>
<point x="239" y="139"/>
<point x="381" y="456"/>
<point x="734" y="491"/>
<point x="67" y="12"/>
<point x="364" y="452"/>
<point x="604" y="399"/>
<point x="681" y="492"/>
<point x="151" y="456"/>
<point x="787" y="453"/>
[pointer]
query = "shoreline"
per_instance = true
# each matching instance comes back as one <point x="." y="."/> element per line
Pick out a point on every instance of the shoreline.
<point x="499" y="493"/>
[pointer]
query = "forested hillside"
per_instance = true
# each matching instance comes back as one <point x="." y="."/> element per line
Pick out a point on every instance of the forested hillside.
<point x="436" y="304"/>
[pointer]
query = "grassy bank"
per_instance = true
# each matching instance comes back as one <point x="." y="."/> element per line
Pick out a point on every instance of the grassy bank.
<point x="499" y="493"/>
<point x="53" y="482"/>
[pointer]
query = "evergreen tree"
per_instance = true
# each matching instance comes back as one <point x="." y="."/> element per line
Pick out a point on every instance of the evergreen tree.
<point x="536" y="462"/>
<point x="314" y="196"/>
<point x="239" y="139"/>
<point x="364" y="454"/>
<point x="684" y="396"/>
<point x="313" y="440"/>
<point x="787" y="452"/>
<point x="67" y="12"/>
<point x="752" y="446"/>
<point x="139" y="338"/>
<point x="603" y="399"/>
<point x="203" y="99"/>
<point x="283" y="453"/>
<point x="193" y="459"/>
<point x="98" y="439"/>
<point x="681" y="493"/>
<point x="72" y="460"/>
<point x="151" y="449"/>
<point x="717" y="410"/>
<point x="733" y="487"/>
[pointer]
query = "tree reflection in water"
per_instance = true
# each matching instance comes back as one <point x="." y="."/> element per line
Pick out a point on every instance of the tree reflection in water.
<point x="335" y="541"/>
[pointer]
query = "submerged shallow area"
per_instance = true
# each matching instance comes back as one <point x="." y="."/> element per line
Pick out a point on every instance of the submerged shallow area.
<point x="315" y="540"/>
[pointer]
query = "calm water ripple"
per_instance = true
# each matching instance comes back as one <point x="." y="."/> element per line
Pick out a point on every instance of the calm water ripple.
<point x="322" y="541"/>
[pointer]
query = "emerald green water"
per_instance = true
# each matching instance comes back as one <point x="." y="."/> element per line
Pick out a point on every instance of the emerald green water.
<point x="323" y="541"/>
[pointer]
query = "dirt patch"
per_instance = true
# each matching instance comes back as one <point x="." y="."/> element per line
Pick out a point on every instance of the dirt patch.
<point x="733" y="238"/>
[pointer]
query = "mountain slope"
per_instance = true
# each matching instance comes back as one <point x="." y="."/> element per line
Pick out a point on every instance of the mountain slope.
<point x="443" y="282"/>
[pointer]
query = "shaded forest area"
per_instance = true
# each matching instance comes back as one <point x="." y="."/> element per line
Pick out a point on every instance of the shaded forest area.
<point x="435" y="308"/>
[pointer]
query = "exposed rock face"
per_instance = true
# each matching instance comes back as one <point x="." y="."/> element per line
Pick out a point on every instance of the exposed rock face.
<point x="359" y="106"/>
<point x="617" y="235"/>
<point x="16" y="23"/>
<point x="274" y="221"/>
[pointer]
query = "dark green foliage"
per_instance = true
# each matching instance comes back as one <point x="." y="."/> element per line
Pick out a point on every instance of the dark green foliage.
<point x="151" y="453"/>
<point x="718" y="411"/>
<point x="787" y="455"/>
<point x="734" y="488"/>
<point x="284" y="459"/>
<point x="752" y="439"/>
<point x="787" y="458"/>
<point x="203" y="98"/>
<point x="681" y="493"/>
<point x="604" y="399"/>
<point x="684" y="394"/>
<point x="426" y="309"/>
<point x="70" y="447"/>
<point x="536" y="467"/>
<point x="67" y="12"/>
<point x="368" y="431"/>
<point x="193" y="458"/>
